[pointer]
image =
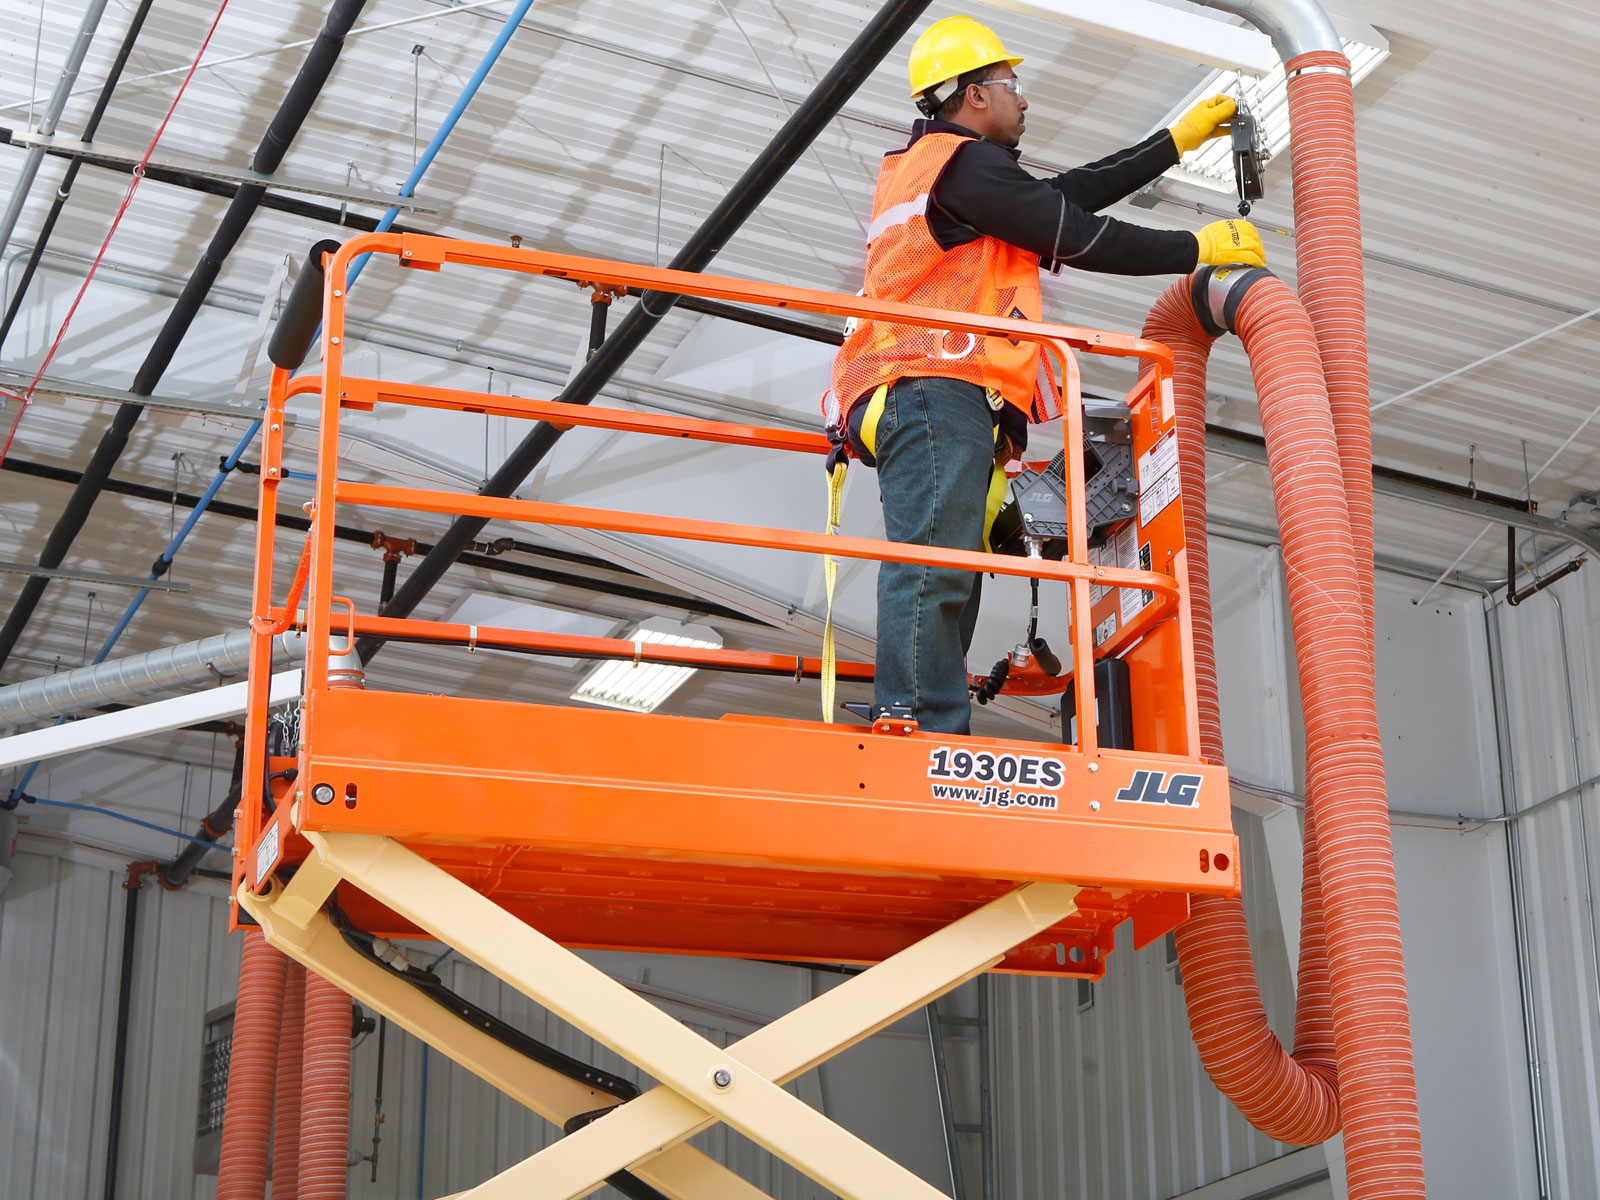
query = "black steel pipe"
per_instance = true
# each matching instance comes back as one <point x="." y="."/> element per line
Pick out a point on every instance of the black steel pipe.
<point x="342" y="218"/>
<point x="870" y="47"/>
<point x="391" y="572"/>
<point x="64" y="189"/>
<point x="761" y="318"/>
<point x="119" y="1053"/>
<point x="597" y="325"/>
<point x="1516" y="595"/>
<point x="215" y="824"/>
<point x="291" y="115"/>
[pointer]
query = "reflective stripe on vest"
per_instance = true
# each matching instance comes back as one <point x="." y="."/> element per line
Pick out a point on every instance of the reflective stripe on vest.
<point x="906" y="264"/>
<point x="897" y="215"/>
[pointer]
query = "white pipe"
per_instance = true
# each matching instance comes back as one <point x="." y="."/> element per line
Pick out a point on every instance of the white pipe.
<point x="52" y="114"/>
<point x="156" y="717"/>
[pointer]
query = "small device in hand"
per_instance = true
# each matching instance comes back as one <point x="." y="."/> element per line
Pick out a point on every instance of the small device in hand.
<point x="1248" y="157"/>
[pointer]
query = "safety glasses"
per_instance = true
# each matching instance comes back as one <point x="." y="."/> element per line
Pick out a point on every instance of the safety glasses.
<point x="1012" y="85"/>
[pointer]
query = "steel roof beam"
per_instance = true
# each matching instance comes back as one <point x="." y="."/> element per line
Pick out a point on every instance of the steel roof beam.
<point x="1416" y="489"/>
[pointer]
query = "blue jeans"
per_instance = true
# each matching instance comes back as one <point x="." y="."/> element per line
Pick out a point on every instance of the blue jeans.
<point x="935" y="452"/>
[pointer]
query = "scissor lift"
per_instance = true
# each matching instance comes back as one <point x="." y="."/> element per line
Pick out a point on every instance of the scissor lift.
<point x="517" y="832"/>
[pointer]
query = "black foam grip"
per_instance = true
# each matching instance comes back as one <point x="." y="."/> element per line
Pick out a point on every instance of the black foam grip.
<point x="302" y="315"/>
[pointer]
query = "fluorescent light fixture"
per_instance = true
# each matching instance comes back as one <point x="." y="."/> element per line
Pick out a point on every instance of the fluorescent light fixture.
<point x="644" y="686"/>
<point x="500" y="611"/>
<point x="1267" y="97"/>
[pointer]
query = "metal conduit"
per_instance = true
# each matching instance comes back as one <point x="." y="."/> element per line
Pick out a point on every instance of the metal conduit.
<point x="126" y="679"/>
<point x="52" y="114"/>
<point x="269" y="154"/>
<point x="64" y="188"/>
<point x="869" y="48"/>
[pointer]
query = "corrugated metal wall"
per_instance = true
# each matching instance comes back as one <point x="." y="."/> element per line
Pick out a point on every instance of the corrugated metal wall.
<point x="1555" y="735"/>
<point x="1111" y="1100"/>
<point x="60" y="944"/>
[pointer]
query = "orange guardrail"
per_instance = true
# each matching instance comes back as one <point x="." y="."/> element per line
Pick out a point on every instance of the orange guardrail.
<point x="1126" y="598"/>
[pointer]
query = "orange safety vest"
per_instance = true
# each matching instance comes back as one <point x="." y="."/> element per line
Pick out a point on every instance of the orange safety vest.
<point x="906" y="264"/>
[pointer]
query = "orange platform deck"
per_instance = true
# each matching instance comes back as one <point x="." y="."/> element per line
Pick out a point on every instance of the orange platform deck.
<point x="757" y="838"/>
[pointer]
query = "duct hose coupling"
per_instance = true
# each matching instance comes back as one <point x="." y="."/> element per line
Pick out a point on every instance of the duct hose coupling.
<point x="1216" y="292"/>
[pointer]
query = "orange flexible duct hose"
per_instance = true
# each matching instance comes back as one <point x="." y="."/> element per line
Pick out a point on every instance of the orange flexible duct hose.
<point x="1291" y="1098"/>
<point x="1327" y="207"/>
<point x="325" y="1092"/>
<point x="1372" y="1030"/>
<point x="1351" y="929"/>
<point x="247" y="1119"/>
<point x="286" y="1110"/>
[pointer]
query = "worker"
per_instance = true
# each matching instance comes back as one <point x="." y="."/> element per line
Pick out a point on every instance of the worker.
<point x="958" y="224"/>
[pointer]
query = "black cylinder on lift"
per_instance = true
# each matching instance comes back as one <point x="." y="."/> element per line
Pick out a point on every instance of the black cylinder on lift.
<point x="302" y="315"/>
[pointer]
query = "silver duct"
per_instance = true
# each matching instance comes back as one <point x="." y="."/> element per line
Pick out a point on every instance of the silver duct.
<point x="1296" y="27"/>
<point x="123" y="680"/>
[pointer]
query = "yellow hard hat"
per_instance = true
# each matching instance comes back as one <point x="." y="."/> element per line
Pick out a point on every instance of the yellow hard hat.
<point x="953" y="47"/>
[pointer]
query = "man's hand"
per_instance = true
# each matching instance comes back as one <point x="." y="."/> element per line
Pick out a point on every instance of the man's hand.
<point x="1202" y="123"/>
<point x="1231" y="242"/>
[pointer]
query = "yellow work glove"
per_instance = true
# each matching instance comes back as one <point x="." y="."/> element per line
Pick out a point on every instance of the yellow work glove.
<point x="1202" y="123"/>
<point x="1231" y="242"/>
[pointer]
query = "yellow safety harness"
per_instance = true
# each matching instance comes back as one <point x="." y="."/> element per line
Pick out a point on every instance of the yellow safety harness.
<point x="993" y="502"/>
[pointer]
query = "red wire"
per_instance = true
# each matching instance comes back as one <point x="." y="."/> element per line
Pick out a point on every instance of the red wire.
<point x="127" y="199"/>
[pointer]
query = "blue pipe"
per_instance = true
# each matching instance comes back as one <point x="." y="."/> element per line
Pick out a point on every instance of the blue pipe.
<point x="422" y="1125"/>
<point x="448" y="127"/>
<point x="167" y="555"/>
<point x="406" y="189"/>
<point x="106" y="812"/>
<point x="422" y="1114"/>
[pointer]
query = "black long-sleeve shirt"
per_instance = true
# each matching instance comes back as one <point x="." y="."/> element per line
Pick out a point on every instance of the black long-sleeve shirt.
<point x="984" y="190"/>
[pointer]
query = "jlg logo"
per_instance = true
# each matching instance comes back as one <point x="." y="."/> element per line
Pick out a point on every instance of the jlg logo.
<point x="1152" y="787"/>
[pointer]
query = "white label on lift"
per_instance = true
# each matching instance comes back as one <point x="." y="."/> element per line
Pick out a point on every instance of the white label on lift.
<point x="1158" y="478"/>
<point x="1105" y="629"/>
<point x="1156" y="496"/>
<point x="1158" y="460"/>
<point x="1134" y="600"/>
<point x="1140" y="598"/>
<point x="267" y="853"/>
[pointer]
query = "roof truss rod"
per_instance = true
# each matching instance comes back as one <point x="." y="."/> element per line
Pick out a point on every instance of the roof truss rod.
<point x="496" y="561"/>
<point x="99" y="155"/>
<point x="127" y="581"/>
